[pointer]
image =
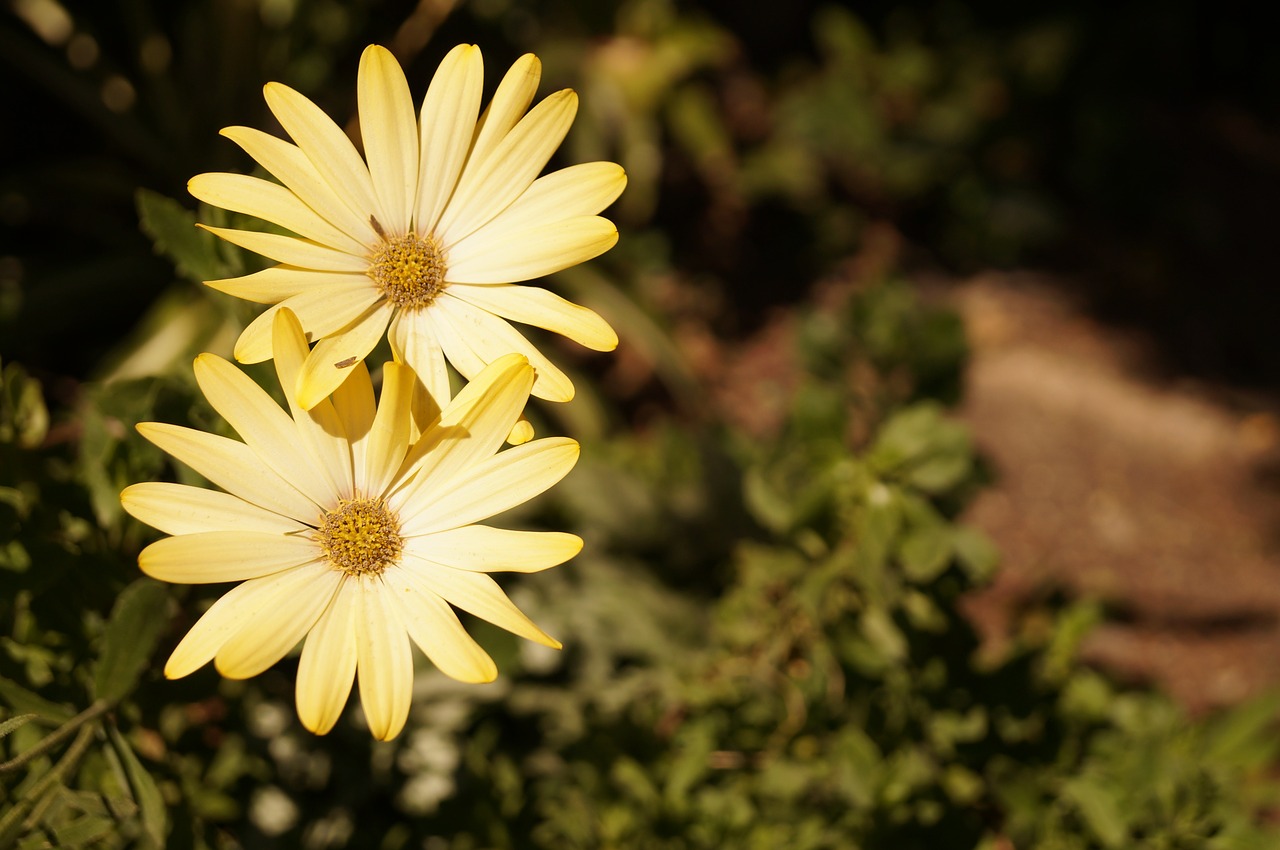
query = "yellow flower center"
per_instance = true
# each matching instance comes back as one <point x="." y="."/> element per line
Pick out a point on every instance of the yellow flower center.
<point x="409" y="270"/>
<point x="361" y="537"/>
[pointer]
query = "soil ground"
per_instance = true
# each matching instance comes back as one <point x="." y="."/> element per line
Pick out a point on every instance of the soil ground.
<point x="1156" y="495"/>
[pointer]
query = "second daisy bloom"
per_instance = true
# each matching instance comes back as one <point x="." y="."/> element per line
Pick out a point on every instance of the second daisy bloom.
<point x="429" y="239"/>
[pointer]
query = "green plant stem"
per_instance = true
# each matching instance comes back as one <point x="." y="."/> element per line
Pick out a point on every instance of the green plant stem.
<point x="98" y="708"/>
<point x="30" y="807"/>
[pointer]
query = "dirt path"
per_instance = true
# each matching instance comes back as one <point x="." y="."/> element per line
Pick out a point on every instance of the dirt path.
<point x="1116" y="483"/>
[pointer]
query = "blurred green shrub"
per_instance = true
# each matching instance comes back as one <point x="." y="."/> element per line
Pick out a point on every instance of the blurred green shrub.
<point x="763" y="642"/>
<point x="763" y="650"/>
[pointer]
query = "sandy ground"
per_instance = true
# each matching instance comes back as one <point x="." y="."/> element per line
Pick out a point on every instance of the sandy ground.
<point x="1118" y="483"/>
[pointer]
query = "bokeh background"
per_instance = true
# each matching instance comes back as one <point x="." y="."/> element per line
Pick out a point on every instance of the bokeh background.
<point x="930" y="498"/>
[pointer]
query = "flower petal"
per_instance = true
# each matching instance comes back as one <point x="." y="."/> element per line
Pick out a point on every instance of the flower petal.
<point x="354" y="403"/>
<point x="328" y="148"/>
<point x="277" y="283"/>
<point x="414" y="343"/>
<point x="515" y="93"/>
<point x="236" y="610"/>
<point x="486" y="257"/>
<point x="436" y="630"/>
<point x="389" y="434"/>
<point x="270" y="202"/>
<point x="484" y="549"/>
<point x="505" y="480"/>
<point x="389" y="130"/>
<point x="473" y="337"/>
<point x="540" y="308"/>
<point x="478" y="594"/>
<point x="180" y="509"/>
<point x="264" y="427"/>
<point x="231" y="465"/>
<point x="321" y="312"/>
<point x="448" y="120"/>
<point x="291" y="250"/>
<point x="292" y="168"/>
<point x="328" y="664"/>
<point x="320" y="427"/>
<point x="488" y="186"/>
<point x="470" y="429"/>
<point x="583" y="189"/>
<point x="384" y="662"/>
<point x="331" y="360"/>
<point x="275" y="631"/>
<point x="209" y="557"/>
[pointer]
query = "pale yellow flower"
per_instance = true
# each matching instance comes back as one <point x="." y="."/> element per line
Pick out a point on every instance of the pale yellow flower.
<point x="427" y="239"/>
<point x="349" y="528"/>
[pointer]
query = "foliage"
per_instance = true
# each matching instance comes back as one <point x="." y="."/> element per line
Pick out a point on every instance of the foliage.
<point x="763" y="641"/>
<point x="764" y="650"/>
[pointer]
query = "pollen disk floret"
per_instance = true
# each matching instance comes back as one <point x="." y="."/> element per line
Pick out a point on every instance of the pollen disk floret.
<point x="361" y="537"/>
<point x="409" y="270"/>
<point x="426" y="237"/>
<point x="351" y="529"/>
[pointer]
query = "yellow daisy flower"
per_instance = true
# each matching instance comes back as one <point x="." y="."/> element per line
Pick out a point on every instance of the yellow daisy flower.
<point x="350" y="529"/>
<point x="427" y="236"/>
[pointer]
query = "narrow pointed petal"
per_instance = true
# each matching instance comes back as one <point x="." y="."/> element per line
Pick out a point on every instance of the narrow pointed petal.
<point x="263" y="426"/>
<point x="320" y="428"/>
<point x="233" y="466"/>
<point x="389" y="435"/>
<point x="238" y="609"/>
<point x="321" y="312"/>
<point x="478" y="336"/>
<point x="354" y="403"/>
<point x="491" y="257"/>
<point x="488" y="187"/>
<point x="532" y="305"/>
<point x="209" y="557"/>
<point x="328" y="148"/>
<point x="277" y="630"/>
<point x="384" y="662"/>
<point x="331" y="360"/>
<point x="435" y="628"/>
<point x="292" y="168"/>
<point x="471" y="428"/>
<point x="505" y="480"/>
<point x="291" y="250"/>
<point x="478" y="594"/>
<point x="327" y="668"/>
<point x="180" y="509"/>
<point x="515" y="93"/>
<point x="578" y="190"/>
<point x="414" y="343"/>
<point x="277" y="283"/>
<point x="390" y="134"/>
<point x="480" y="548"/>
<point x="448" y="120"/>
<point x="270" y="202"/>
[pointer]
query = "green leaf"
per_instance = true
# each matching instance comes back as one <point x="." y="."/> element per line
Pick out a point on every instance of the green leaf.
<point x="977" y="555"/>
<point x="1100" y="811"/>
<point x="24" y="418"/>
<point x="22" y="700"/>
<point x="15" y="723"/>
<point x="136" y="623"/>
<point x="882" y="633"/>
<point x="155" y="818"/>
<point x="173" y="229"/>
<point x="926" y="552"/>
<point x="1245" y="736"/>
<point x="83" y="831"/>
